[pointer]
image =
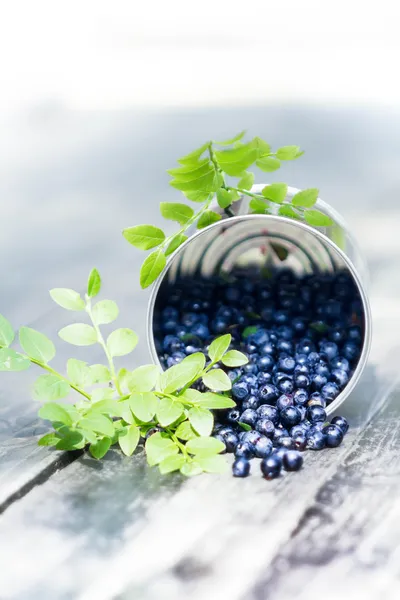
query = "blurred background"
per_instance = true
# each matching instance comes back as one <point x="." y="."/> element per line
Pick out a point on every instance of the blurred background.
<point x="99" y="98"/>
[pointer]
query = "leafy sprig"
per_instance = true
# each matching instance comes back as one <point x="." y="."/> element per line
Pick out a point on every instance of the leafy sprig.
<point x="219" y="171"/>
<point x="161" y="409"/>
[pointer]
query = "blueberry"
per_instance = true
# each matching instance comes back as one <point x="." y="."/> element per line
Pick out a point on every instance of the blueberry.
<point x="354" y="334"/>
<point x="249" y="379"/>
<point x="251" y="368"/>
<point x="316" y="440"/>
<point x="316" y="414"/>
<point x="281" y="317"/>
<point x="301" y="359"/>
<point x="290" y="416"/>
<point x="268" y="393"/>
<point x="340" y="362"/>
<point x="305" y="347"/>
<point x="231" y="441"/>
<point x="233" y="416"/>
<point x="333" y="436"/>
<point x="322" y="369"/>
<point x="175" y="358"/>
<point x="240" y="391"/>
<point x="200" y="331"/>
<point x="300" y="442"/>
<point x="249" y="416"/>
<point x="300" y="397"/>
<point x="350" y="351"/>
<point x="172" y="343"/>
<point x="191" y="349"/>
<point x="251" y="437"/>
<point x="287" y="364"/>
<point x="268" y="348"/>
<point x="265" y="363"/>
<point x="341" y="422"/>
<point x="232" y="294"/>
<point x="286" y="386"/>
<point x="298" y="325"/>
<point x="292" y="461"/>
<point x="241" y="467"/>
<point x="243" y="450"/>
<point x="271" y="467"/>
<point x="263" y="447"/>
<point x="330" y="349"/>
<point x="268" y="412"/>
<point x="340" y="377"/>
<point x="286" y="442"/>
<point x="298" y="430"/>
<point x="318" y="381"/>
<point x="251" y="402"/>
<point x="265" y="427"/>
<point x="260" y="337"/>
<point x="219" y="325"/>
<point x="330" y="391"/>
<point x="301" y="381"/>
<point x="283" y="345"/>
<point x="284" y="401"/>
<point x="313" y="359"/>
<point x="169" y="326"/>
<point x="337" y="335"/>
<point x="301" y="369"/>
<point x="279" y="434"/>
<point x="170" y="312"/>
<point x="263" y="378"/>
<point x="189" y="319"/>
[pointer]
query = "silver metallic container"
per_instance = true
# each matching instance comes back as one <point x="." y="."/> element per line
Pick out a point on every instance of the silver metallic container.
<point x="246" y="239"/>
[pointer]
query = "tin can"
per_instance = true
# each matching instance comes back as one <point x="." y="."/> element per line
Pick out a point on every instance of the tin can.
<point x="240" y="240"/>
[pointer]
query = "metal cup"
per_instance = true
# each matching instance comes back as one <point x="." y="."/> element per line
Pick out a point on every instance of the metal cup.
<point x="252" y="240"/>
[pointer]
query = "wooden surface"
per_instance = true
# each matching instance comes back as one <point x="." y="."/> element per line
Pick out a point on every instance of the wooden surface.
<point x="74" y="528"/>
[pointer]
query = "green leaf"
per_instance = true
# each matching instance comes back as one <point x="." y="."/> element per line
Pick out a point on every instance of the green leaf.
<point x="224" y="198"/>
<point x="209" y="182"/>
<point x="36" y="345"/>
<point x="143" y="379"/>
<point x="10" y="360"/>
<point x="78" y="334"/>
<point x="197" y="195"/>
<point x="78" y="372"/>
<point x="205" y="446"/>
<point x="288" y="211"/>
<point x="281" y="252"/>
<point x="48" y="388"/>
<point x="72" y="439"/>
<point x="236" y="160"/>
<point x="249" y="330"/>
<point x="231" y="141"/>
<point x="122" y="341"/>
<point x="191" y="395"/>
<point x="317" y="218"/>
<point x="172" y="463"/>
<point x="158" y="447"/>
<point x="55" y="412"/>
<point x="185" y="431"/>
<point x="128" y="439"/>
<point x="288" y="152"/>
<point x="99" y="423"/>
<point x="143" y="405"/>
<point x="176" y="212"/>
<point x="276" y="192"/>
<point x="246" y="181"/>
<point x="100" y="394"/>
<point x="144" y="237"/>
<point x="174" y="244"/>
<point x="126" y="413"/>
<point x="219" y="346"/>
<point x="151" y="268"/>
<point x="207" y="218"/>
<point x="268" y="164"/>
<point x="234" y="358"/>
<point x="261" y="146"/>
<point x="94" y="283"/>
<point x="99" y="374"/>
<point x="201" y="419"/>
<point x="90" y="437"/>
<point x="100" y="448"/>
<point x="215" y="401"/>
<point x="68" y="299"/>
<point x="193" y="155"/>
<point x="168" y="411"/>
<point x="217" y="380"/>
<point x="109" y="407"/>
<point x="105" y="311"/>
<point x="50" y="439"/>
<point x="6" y="332"/>
<point x="178" y="376"/>
<point x="244" y="426"/>
<point x="306" y="198"/>
<point x="213" y="464"/>
<point x="192" y="171"/>
<point x="258" y="206"/>
<point x="191" y="468"/>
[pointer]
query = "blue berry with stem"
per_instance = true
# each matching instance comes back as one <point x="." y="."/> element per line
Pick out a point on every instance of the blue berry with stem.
<point x="240" y="391"/>
<point x="263" y="447"/>
<point x="271" y="467"/>
<point x="292" y="461"/>
<point x="241" y="467"/>
<point x="333" y="436"/>
<point x="243" y="450"/>
<point x="269" y="412"/>
<point x="316" y="440"/>
<point x="290" y="416"/>
<point x="249" y="416"/>
<point x="265" y="427"/>
<point x="316" y="414"/>
<point x="342" y="423"/>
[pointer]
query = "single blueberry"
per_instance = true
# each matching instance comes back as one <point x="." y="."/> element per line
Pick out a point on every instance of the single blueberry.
<point x="191" y="349"/>
<point x="301" y="381"/>
<point x="268" y="393"/>
<point x="286" y="442"/>
<point x="170" y="312"/>
<point x="290" y="416"/>
<point x="300" y="397"/>
<point x="251" y="402"/>
<point x="301" y="359"/>
<point x="340" y="362"/>
<point x="318" y="381"/>
<point x="232" y="294"/>
<point x="354" y="334"/>
<point x="265" y="362"/>
<point x="219" y="325"/>
<point x="231" y="440"/>
<point x="200" y="331"/>
<point x="284" y="401"/>
<point x="330" y="391"/>
<point x="316" y="440"/>
<point x="330" y="349"/>
<point x="268" y="412"/>
<point x="279" y="453"/>
<point x="249" y="379"/>
<point x="271" y="467"/>
<point x="283" y="345"/>
<point x="313" y="359"/>
<point x="241" y="467"/>
<point x="301" y="370"/>
<point x="265" y="427"/>
<point x="341" y="422"/>
<point x="240" y="391"/>
<point x="337" y="335"/>
<point x="292" y="461"/>
<point x="268" y="348"/>
<point x="298" y="430"/>
<point x="279" y="434"/>
<point x="250" y="348"/>
<point x="333" y="436"/>
<point x="175" y="358"/>
<point x="340" y="377"/>
<point x="263" y="378"/>
<point x="189" y="319"/>
<point x="260" y="337"/>
<point x="317" y="400"/>
<point x="281" y="317"/>
<point x="287" y="364"/>
<point x="305" y="346"/>
<point x="244" y="450"/>
<point x="251" y="437"/>
<point x="249" y="416"/>
<point x="286" y="386"/>
<point x="233" y="416"/>
<point x="263" y="447"/>
<point x="285" y="332"/>
<point x="316" y="414"/>
<point x="322" y="369"/>
<point x="251" y="368"/>
<point x="169" y="326"/>
<point x="300" y="441"/>
<point x="350" y="351"/>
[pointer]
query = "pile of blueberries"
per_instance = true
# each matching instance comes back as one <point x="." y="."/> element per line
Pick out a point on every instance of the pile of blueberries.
<point x="302" y="336"/>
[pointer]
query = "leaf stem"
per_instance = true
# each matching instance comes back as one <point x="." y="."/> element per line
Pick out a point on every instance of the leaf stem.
<point x="103" y="344"/>
<point x="247" y="193"/>
<point x="54" y="372"/>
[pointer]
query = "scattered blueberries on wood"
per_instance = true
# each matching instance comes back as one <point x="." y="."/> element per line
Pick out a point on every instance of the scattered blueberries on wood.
<point x="303" y="338"/>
